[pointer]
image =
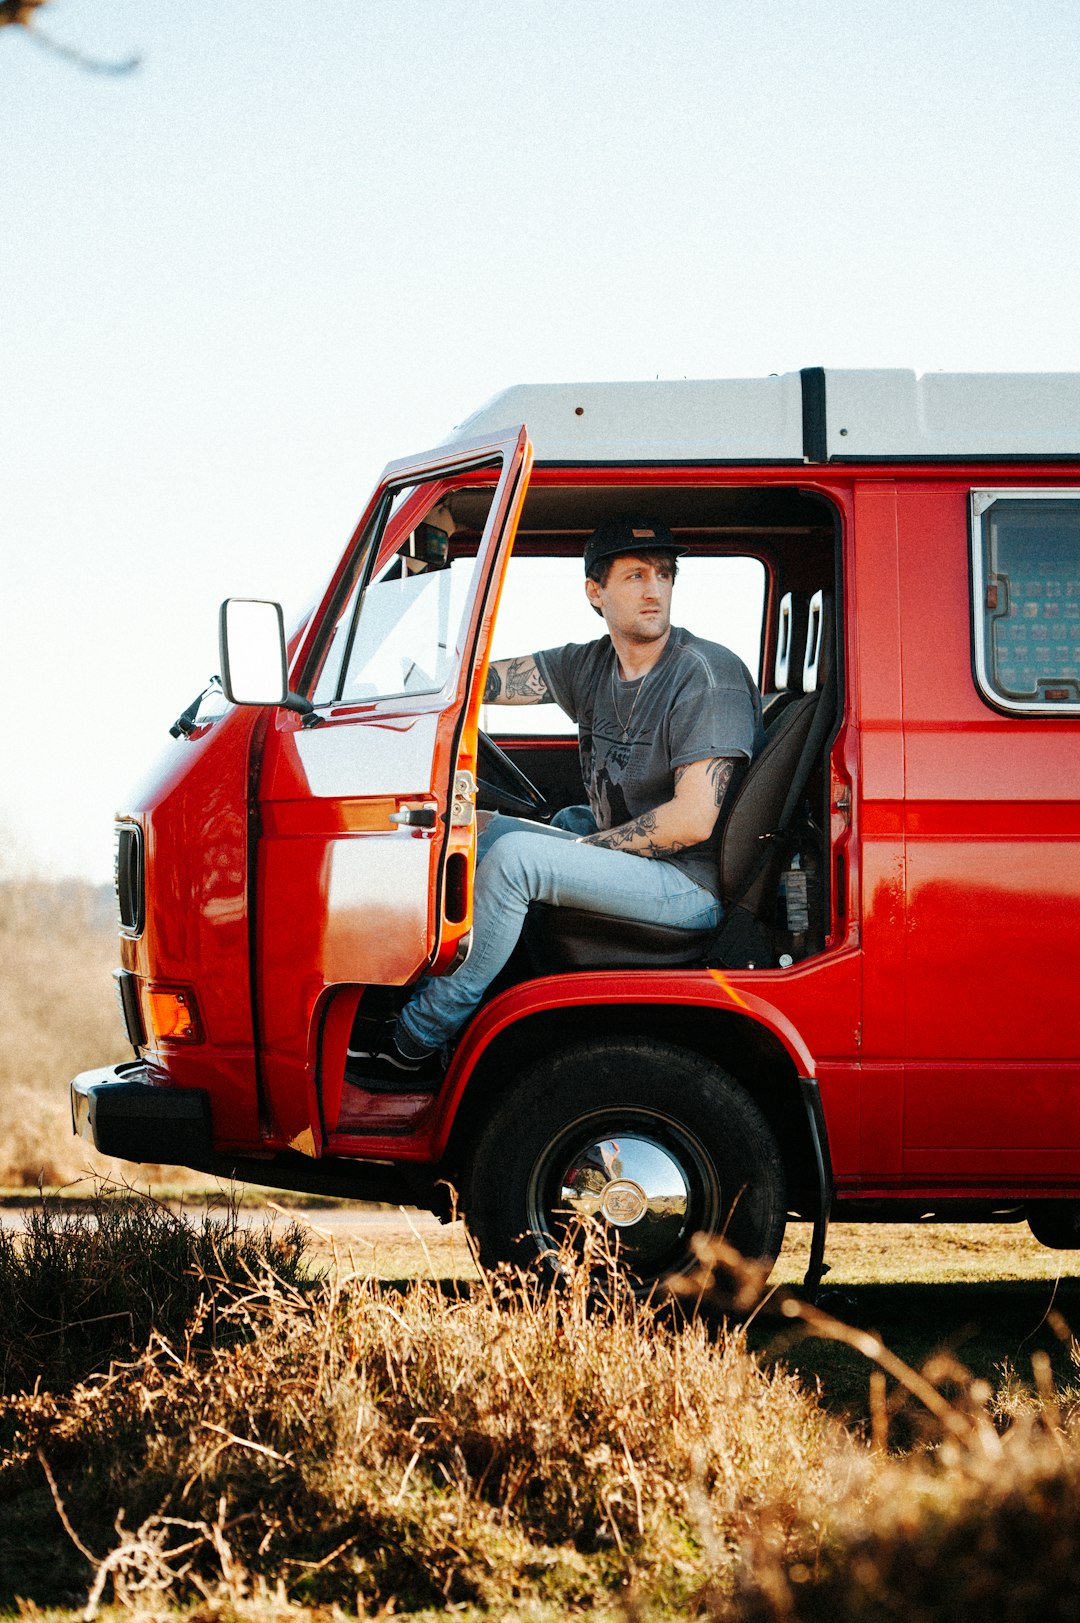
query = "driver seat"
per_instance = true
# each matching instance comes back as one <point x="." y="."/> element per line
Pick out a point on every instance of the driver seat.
<point x="560" y="938"/>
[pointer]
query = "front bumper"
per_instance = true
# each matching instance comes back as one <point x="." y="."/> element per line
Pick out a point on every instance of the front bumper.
<point x="123" y="1112"/>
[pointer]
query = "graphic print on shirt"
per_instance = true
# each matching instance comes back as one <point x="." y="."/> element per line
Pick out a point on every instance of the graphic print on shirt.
<point x="609" y="802"/>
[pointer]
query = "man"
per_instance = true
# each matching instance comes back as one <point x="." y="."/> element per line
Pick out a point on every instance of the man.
<point x="665" y="721"/>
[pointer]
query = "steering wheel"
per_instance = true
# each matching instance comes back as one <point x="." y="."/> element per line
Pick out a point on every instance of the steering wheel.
<point x="502" y="785"/>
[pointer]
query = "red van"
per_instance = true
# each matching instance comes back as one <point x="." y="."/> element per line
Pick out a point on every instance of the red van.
<point x="886" y="1024"/>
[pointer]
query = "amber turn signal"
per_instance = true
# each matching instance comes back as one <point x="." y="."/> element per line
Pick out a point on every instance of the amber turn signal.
<point x="173" y="1014"/>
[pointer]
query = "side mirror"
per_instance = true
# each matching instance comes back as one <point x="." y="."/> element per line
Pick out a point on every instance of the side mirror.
<point x="252" y="640"/>
<point x="254" y="663"/>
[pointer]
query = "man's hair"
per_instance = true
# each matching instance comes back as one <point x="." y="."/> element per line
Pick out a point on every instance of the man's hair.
<point x="601" y="569"/>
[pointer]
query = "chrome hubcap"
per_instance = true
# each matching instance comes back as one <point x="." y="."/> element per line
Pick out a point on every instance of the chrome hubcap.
<point x="647" y="1179"/>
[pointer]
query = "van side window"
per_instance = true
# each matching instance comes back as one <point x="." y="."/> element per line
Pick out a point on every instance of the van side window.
<point x="543" y="605"/>
<point x="1026" y="572"/>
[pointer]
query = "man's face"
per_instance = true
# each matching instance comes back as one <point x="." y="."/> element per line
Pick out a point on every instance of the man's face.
<point x="636" y="601"/>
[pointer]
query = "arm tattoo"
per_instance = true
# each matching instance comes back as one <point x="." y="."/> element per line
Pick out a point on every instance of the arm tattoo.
<point x="523" y="681"/>
<point x="720" y="770"/>
<point x="617" y="839"/>
<point x="614" y="839"/>
<point x="492" y="686"/>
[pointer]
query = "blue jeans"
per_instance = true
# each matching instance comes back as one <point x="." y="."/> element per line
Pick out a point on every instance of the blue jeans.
<point x="520" y="862"/>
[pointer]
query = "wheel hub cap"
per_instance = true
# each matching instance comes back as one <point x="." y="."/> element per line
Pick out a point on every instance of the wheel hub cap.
<point x="636" y="1185"/>
<point x="624" y="1203"/>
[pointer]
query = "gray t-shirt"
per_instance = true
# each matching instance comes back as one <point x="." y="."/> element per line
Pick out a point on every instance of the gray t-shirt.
<point x="698" y="701"/>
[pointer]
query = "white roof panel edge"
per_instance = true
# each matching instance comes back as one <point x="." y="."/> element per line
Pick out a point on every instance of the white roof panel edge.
<point x="726" y="419"/>
<point x="891" y="414"/>
<point x="952" y="414"/>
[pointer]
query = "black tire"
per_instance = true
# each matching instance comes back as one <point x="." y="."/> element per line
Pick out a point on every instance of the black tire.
<point x="1055" y="1223"/>
<point x="666" y="1140"/>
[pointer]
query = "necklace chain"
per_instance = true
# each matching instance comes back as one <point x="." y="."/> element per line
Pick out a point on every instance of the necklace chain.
<point x="615" y="703"/>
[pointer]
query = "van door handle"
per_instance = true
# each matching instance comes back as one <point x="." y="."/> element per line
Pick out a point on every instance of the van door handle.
<point x="414" y="817"/>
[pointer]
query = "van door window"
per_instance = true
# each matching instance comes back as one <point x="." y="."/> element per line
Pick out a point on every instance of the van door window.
<point x="399" y="634"/>
<point x="1026" y="558"/>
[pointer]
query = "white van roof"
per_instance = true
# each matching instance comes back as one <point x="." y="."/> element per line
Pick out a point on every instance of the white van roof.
<point x="816" y="415"/>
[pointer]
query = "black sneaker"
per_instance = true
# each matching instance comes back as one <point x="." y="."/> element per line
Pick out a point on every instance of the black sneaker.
<point x="377" y="1064"/>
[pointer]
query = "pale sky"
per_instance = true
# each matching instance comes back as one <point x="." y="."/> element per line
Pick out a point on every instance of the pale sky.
<point x="306" y="238"/>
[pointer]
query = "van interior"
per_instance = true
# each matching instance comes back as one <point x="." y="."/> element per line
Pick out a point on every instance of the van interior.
<point x="761" y="575"/>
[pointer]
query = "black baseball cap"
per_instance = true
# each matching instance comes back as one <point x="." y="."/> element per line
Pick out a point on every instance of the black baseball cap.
<point x="617" y="536"/>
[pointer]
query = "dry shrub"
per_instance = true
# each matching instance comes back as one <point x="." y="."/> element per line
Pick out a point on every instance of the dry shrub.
<point x="81" y="1287"/>
<point x="497" y="1448"/>
<point x="519" y="1453"/>
<point x="58" y="948"/>
<point x="988" y="1529"/>
<point x="981" y="1519"/>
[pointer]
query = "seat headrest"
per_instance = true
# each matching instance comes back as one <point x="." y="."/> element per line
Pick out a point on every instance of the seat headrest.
<point x="790" y="641"/>
<point x="817" y="659"/>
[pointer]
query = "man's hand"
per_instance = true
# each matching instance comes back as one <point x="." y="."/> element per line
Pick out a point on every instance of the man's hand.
<point x="515" y="681"/>
<point x="687" y="819"/>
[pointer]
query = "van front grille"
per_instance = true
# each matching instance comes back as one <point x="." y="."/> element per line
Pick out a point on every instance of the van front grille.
<point x="129" y="874"/>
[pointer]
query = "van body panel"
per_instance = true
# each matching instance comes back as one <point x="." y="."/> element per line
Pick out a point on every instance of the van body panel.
<point x="817" y="415"/>
<point x="193" y="810"/>
<point x="992" y="839"/>
<point x="778" y="1001"/>
<point x="733" y="419"/>
<point x="875" y="699"/>
<point x="820" y="999"/>
<point x="990" y="922"/>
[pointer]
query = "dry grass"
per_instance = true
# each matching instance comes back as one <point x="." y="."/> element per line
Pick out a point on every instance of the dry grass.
<point x="59" y="1017"/>
<point x="83" y="1287"/>
<point x="58" y="948"/>
<point x="502" y="1446"/>
<point x="978" y="1514"/>
<point x="335" y="1448"/>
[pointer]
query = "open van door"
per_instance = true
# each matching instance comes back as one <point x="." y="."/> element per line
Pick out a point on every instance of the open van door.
<point x="366" y="807"/>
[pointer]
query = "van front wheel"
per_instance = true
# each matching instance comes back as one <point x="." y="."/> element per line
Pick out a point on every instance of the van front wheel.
<point x="653" y="1142"/>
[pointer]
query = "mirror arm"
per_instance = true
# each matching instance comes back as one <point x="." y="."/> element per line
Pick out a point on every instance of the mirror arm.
<point x="303" y="708"/>
<point x="184" y="725"/>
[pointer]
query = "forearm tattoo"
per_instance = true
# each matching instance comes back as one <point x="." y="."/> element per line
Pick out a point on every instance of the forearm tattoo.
<point x="641" y="828"/>
<point x="640" y="836"/>
<point x="492" y="685"/>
